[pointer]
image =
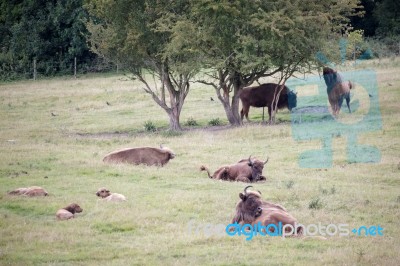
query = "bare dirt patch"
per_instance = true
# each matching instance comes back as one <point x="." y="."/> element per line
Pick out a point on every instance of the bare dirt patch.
<point x="312" y="110"/>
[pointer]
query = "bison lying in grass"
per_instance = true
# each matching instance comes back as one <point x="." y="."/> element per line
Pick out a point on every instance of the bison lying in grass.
<point x="337" y="90"/>
<point x="68" y="212"/>
<point x="145" y="155"/>
<point x="108" y="196"/>
<point x="252" y="209"/>
<point x="246" y="170"/>
<point x="33" y="191"/>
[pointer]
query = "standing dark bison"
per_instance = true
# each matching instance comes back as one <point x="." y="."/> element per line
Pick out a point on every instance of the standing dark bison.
<point x="263" y="95"/>
<point x="145" y="155"/>
<point x="246" y="170"/>
<point x="337" y="89"/>
<point x="251" y="209"/>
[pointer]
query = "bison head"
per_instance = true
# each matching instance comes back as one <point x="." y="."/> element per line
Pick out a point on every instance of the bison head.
<point x="331" y="77"/>
<point x="257" y="167"/>
<point x="292" y="100"/>
<point x="73" y="208"/>
<point x="169" y="151"/>
<point x="249" y="207"/>
<point x="103" y="192"/>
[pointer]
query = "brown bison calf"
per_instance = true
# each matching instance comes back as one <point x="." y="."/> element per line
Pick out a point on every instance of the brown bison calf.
<point x="251" y="209"/>
<point x="246" y="170"/>
<point x="145" y="155"/>
<point x="108" y="196"/>
<point x="33" y="191"/>
<point x="68" y="212"/>
<point x="337" y="90"/>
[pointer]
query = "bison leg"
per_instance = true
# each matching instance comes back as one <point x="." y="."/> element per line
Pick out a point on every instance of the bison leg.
<point x="245" y="112"/>
<point x="261" y="178"/>
<point x="340" y="101"/>
<point x="348" y="101"/>
<point x="241" y="115"/>
<point x="269" y="113"/>
<point x="333" y="106"/>
<point x="243" y="179"/>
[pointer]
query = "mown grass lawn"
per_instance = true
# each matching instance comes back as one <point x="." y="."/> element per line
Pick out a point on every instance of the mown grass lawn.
<point x="54" y="133"/>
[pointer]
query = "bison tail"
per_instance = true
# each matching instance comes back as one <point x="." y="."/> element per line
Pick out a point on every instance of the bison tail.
<point x="203" y="168"/>
<point x="351" y="85"/>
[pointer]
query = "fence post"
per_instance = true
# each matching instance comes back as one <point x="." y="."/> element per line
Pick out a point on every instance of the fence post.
<point x="34" y="69"/>
<point x="75" y="67"/>
<point x="399" y="49"/>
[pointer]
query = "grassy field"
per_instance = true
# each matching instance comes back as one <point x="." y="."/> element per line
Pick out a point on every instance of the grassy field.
<point x="54" y="133"/>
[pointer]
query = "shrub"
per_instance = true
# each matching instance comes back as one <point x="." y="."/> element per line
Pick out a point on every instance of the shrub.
<point x="191" y="122"/>
<point x="149" y="126"/>
<point x="315" y="204"/>
<point x="289" y="184"/>
<point x="214" y="122"/>
<point x="325" y="191"/>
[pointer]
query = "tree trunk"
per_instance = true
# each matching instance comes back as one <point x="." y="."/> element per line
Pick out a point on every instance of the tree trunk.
<point x="234" y="82"/>
<point x="274" y="104"/>
<point x="235" y="108"/>
<point x="174" y="115"/>
<point x="231" y="108"/>
<point x="229" y="111"/>
<point x="177" y="90"/>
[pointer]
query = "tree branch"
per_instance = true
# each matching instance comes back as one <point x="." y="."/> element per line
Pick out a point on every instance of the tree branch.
<point x="148" y="90"/>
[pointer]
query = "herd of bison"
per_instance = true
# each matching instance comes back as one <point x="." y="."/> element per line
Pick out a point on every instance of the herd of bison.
<point x="251" y="209"/>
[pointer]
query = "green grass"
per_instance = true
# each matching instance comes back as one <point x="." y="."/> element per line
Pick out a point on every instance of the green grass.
<point x="63" y="153"/>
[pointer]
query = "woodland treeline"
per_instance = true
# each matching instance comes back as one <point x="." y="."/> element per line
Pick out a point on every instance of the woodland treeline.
<point x="54" y="32"/>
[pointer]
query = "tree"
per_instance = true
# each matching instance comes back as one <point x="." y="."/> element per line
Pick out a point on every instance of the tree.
<point x="241" y="41"/>
<point x="367" y="22"/>
<point x="50" y="31"/>
<point x="128" y="32"/>
<point x="355" y="40"/>
<point x="387" y="13"/>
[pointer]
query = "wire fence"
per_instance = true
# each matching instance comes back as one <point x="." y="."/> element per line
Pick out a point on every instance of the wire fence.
<point x="14" y="69"/>
<point x="37" y="69"/>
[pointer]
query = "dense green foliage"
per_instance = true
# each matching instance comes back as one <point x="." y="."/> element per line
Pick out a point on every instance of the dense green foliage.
<point x="52" y="32"/>
<point x="381" y="18"/>
<point x="381" y="27"/>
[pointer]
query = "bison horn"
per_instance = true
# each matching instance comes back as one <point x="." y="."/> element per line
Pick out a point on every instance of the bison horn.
<point x="266" y="160"/>
<point x="245" y="189"/>
<point x="250" y="161"/>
